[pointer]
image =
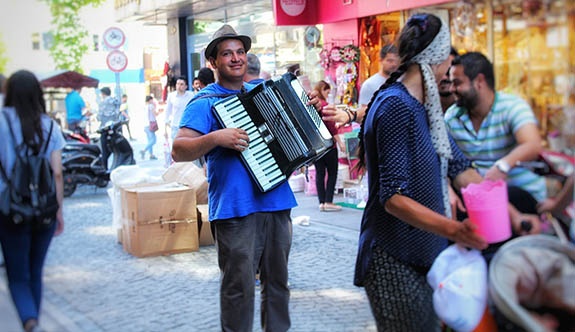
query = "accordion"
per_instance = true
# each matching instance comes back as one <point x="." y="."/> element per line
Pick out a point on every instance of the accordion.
<point x="284" y="132"/>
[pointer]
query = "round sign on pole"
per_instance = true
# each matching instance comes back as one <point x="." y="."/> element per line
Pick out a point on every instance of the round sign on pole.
<point x="117" y="61"/>
<point x="114" y="37"/>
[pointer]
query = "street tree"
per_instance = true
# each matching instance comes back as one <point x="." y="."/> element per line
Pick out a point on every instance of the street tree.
<point x="70" y="42"/>
<point x="3" y="57"/>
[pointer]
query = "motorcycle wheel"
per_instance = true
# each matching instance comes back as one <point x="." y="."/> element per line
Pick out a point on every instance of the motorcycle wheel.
<point x="102" y="183"/>
<point x="69" y="186"/>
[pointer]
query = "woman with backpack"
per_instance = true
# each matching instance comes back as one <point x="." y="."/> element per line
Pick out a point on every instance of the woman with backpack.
<point x="28" y="132"/>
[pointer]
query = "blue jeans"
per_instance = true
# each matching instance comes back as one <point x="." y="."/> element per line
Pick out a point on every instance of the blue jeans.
<point x="258" y="241"/>
<point x="151" y="140"/>
<point x="24" y="254"/>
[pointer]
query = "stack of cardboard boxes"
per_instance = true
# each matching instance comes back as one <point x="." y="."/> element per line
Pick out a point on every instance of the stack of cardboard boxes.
<point x="160" y="216"/>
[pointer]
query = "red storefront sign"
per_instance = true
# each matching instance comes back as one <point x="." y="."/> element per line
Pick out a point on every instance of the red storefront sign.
<point x="310" y="12"/>
<point x="295" y="12"/>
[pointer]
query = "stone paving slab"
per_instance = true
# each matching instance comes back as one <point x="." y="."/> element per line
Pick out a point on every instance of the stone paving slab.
<point x="91" y="284"/>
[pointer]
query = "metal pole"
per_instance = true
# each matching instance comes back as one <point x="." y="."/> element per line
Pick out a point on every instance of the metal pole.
<point x="118" y="90"/>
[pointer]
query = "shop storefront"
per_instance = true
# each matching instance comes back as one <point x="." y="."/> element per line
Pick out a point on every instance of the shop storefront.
<point x="190" y="26"/>
<point x="531" y="43"/>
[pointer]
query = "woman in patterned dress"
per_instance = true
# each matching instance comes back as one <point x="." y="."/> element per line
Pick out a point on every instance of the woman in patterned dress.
<point x="409" y="158"/>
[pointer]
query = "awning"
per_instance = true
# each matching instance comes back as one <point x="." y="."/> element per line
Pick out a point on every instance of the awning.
<point x="68" y="79"/>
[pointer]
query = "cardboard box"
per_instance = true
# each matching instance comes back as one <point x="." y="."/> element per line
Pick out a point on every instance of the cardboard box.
<point x="205" y="232"/>
<point x="145" y="240"/>
<point x="158" y="203"/>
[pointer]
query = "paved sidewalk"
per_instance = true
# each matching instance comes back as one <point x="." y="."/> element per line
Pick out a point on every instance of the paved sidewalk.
<point x="91" y="284"/>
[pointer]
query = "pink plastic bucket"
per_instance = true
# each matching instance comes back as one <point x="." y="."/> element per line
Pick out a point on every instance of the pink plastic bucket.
<point x="309" y="187"/>
<point x="487" y="207"/>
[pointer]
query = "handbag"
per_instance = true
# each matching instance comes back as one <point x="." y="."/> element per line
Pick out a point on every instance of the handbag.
<point x="153" y="126"/>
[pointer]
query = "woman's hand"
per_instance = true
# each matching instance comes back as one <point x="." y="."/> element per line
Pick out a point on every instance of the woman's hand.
<point x="464" y="234"/>
<point x="455" y="203"/>
<point x="331" y="113"/>
<point x="314" y="100"/>
<point x="59" y="222"/>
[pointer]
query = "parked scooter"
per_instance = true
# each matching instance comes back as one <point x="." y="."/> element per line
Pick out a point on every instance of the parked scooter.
<point x="75" y="137"/>
<point x="82" y="162"/>
<point x="79" y="134"/>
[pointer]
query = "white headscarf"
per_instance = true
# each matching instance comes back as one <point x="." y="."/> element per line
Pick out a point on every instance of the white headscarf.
<point x="435" y="53"/>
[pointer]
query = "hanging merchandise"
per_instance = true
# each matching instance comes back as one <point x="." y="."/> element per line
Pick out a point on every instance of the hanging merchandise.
<point x="465" y="19"/>
<point x="346" y="77"/>
<point x="324" y="59"/>
<point x="335" y="54"/>
<point x="350" y="53"/>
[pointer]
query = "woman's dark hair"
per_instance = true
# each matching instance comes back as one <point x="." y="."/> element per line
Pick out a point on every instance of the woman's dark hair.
<point x="148" y="98"/>
<point x="24" y="93"/>
<point x="415" y="36"/>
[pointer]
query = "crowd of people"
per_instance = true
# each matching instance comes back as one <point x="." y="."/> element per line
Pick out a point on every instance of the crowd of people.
<point x="431" y="123"/>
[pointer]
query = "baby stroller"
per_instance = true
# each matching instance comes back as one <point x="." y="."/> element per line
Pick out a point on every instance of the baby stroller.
<point x="532" y="284"/>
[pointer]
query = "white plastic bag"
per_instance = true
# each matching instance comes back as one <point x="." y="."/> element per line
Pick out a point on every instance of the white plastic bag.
<point x="459" y="280"/>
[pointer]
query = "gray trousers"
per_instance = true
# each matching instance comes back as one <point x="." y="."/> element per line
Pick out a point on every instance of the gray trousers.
<point x="258" y="241"/>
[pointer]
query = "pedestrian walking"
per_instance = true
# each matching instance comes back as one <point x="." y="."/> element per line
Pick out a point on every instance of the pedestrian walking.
<point x="151" y="128"/>
<point x="24" y="245"/>
<point x="108" y="111"/>
<point x="125" y="115"/>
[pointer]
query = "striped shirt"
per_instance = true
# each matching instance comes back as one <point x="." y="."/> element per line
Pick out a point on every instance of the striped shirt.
<point x="495" y="139"/>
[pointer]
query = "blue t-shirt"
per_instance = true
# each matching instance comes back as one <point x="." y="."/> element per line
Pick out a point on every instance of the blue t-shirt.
<point x="74" y="106"/>
<point x="401" y="160"/>
<point x="231" y="191"/>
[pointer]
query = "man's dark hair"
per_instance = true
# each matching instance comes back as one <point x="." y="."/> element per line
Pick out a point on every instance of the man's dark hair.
<point x="475" y="63"/>
<point x="253" y="64"/>
<point x="183" y="78"/>
<point x="389" y="48"/>
<point x="206" y="76"/>
<point x="294" y="69"/>
<point x="453" y="52"/>
<point x="106" y="91"/>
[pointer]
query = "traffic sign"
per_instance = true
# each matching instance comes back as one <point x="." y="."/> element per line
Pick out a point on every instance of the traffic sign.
<point x="117" y="61"/>
<point x="114" y="37"/>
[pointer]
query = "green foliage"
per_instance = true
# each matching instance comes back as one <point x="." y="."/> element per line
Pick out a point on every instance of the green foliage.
<point x="70" y="37"/>
<point x="200" y="26"/>
<point x="3" y="58"/>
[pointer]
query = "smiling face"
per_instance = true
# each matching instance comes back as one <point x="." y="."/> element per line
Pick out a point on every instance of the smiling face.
<point x="230" y="61"/>
<point x="463" y="88"/>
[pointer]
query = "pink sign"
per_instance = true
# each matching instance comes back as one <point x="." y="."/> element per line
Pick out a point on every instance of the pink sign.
<point x="295" y="12"/>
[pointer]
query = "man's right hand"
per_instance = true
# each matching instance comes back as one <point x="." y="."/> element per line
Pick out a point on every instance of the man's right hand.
<point x="233" y="138"/>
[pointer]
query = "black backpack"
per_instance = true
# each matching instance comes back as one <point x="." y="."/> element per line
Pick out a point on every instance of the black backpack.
<point x="30" y="197"/>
